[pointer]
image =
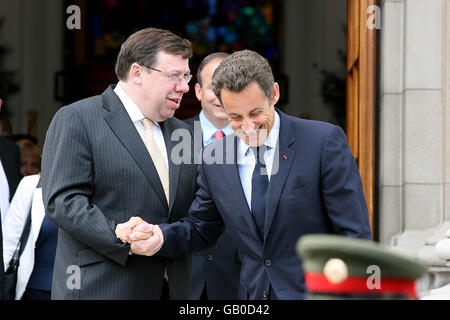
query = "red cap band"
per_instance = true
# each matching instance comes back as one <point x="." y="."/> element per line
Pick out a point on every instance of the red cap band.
<point x="317" y="282"/>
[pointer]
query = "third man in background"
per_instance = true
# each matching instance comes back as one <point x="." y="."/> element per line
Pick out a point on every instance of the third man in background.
<point x="215" y="271"/>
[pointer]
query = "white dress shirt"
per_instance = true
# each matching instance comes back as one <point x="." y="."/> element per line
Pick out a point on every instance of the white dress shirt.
<point x="137" y="116"/>
<point x="246" y="160"/>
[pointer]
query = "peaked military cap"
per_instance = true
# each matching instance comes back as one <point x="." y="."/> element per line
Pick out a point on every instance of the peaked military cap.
<point x="338" y="267"/>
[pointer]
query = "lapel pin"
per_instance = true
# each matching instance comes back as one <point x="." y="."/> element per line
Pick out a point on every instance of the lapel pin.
<point x="285" y="157"/>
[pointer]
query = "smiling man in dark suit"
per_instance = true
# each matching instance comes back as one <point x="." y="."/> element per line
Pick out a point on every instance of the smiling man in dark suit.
<point x="9" y="179"/>
<point x="274" y="180"/>
<point x="106" y="159"/>
<point x="215" y="271"/>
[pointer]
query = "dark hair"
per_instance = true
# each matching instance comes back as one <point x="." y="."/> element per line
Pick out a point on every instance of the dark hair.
<point x="206" y="60"/>
<point x="29" y="148"/>
<point x="143" y="46"/>
<point x="21" y="136"/>
<point x="240" y="69"/>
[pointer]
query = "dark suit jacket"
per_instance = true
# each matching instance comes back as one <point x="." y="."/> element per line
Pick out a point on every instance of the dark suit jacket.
<point x="96" y="173"/>
<point x="10" y="156"/>
<point x="216" y="268"/>
<point x="317" y="190"/>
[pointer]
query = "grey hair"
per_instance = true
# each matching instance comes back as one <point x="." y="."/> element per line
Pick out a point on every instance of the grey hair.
<point x="241" y="68"/>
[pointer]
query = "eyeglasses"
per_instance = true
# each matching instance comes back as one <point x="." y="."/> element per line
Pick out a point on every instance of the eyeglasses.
<point x="175" y="77"/>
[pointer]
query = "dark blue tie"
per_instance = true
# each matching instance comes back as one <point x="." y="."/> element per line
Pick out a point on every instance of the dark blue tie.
<point x="260" y="183"/>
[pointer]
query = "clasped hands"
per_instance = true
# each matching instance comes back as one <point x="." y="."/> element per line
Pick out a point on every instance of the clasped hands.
<point x="145" y="239"/>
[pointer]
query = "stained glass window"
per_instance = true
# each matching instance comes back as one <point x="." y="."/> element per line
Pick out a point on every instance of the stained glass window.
<point x="211" y="25"/>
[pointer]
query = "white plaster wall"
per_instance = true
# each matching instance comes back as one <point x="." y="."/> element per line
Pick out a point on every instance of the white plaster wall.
<point x="34" y="31"/>
<point x="446" y="113"/>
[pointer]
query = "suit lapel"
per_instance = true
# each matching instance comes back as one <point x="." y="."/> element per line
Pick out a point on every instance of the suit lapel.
<point x="126" y="132"/>
<point x="284" y="156"/>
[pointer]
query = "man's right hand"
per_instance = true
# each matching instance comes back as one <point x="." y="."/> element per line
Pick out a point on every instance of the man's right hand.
<point x="146" y="239"/>
<point x="123" y="230"/>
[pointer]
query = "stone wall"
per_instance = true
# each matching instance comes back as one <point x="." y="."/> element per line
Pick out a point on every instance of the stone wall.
<point x="414" y="131"/>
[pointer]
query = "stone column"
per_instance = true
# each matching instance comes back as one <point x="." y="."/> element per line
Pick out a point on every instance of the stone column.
<point x="414" y="132"/>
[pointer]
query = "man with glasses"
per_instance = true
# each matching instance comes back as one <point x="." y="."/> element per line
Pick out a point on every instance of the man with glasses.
<point x="106" y="159"/>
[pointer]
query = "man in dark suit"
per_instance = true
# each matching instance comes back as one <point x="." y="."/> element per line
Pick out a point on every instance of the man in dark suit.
<point x="276" y="179"/>
<point x="9" y="179"/>
<point x="215" y="271"/>
<point x="105" y="159"/>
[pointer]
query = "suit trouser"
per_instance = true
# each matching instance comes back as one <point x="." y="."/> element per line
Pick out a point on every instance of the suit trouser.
<point x="165" y="290"/>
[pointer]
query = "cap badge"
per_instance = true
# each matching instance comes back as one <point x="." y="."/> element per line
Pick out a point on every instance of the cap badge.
<point x="335" y="270"/>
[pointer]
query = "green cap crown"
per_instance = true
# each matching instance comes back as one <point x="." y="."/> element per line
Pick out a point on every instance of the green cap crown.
<point x="358" y="254"/>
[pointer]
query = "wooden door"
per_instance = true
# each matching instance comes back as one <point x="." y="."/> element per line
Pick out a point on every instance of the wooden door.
<point x="361" y="72"/>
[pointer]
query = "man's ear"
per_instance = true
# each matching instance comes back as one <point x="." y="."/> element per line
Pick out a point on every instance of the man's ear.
<point x="275" y="93"/>
<point x="198" y="91"/>
<point x="135" y="74"/>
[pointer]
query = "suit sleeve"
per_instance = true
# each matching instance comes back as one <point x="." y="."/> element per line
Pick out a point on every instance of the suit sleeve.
<point x="199" y="230"/>
<point x="67" y="185"/>
<point x="342" y="190"/>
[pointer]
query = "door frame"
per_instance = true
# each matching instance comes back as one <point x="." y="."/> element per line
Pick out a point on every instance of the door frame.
<point x="361" y="92"/>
